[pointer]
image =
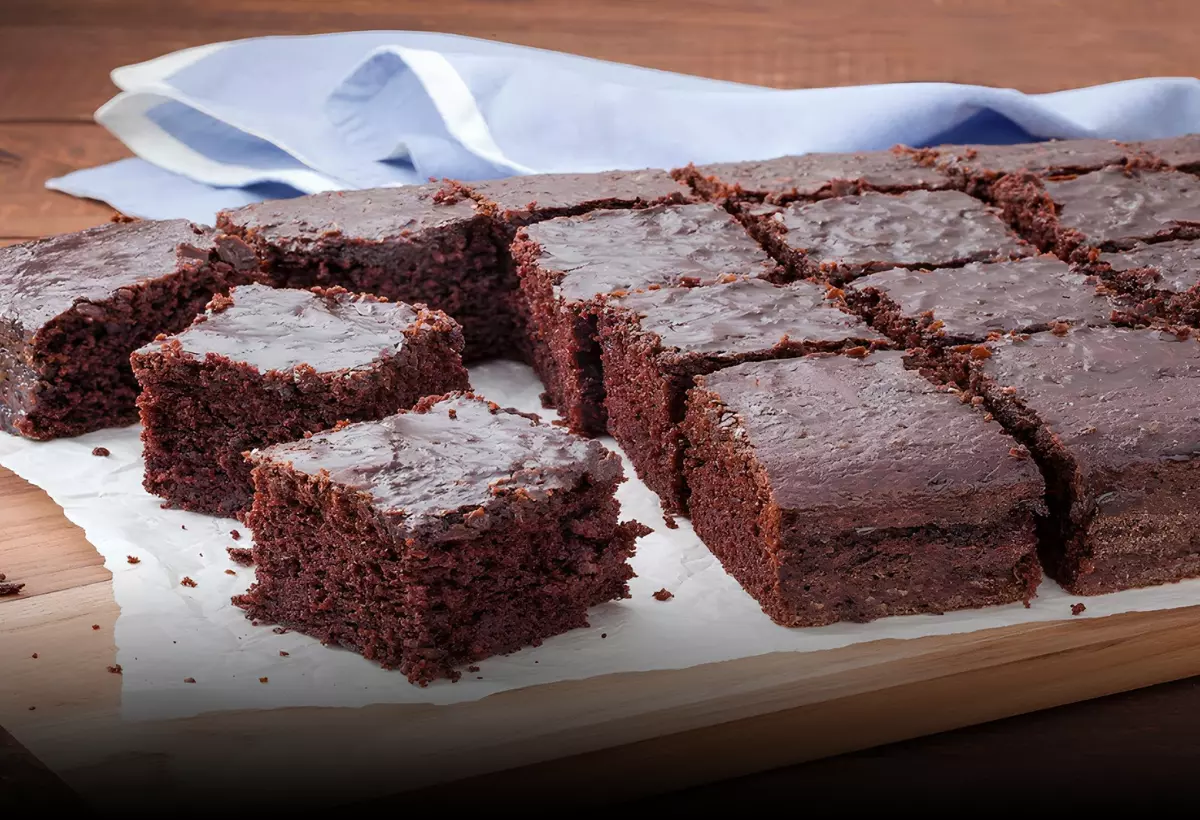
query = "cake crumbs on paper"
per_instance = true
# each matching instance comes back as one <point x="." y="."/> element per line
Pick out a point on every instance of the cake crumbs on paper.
<point x="34" y="656"/>
<point x="283" y="654"/>
<point x="670" y="522"/>
<point x="132" y="559"/>
<point x="235" y="535"/>
<point x="95" y="627"/>
<point x="10" y="588"/>
<point x="664" y="594"/>
<point x="472" y="668"/>
<point x="33" y="708"/>
<point x="187" y="582"/>
<point x="264" y="680"/>
<point x="1077" y="609"/>
<point x="116" y="669"/>
<point x="240" y="555"/>
<point x="230" y="572"/>
<point x="603" y="635"/>
<point x="101" y="451"/>
<point x="189" y="680"/>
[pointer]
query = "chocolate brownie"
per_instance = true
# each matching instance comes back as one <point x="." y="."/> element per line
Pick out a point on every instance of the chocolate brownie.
<point x="975" y="168"/>
<point x="568" y="266"/>
<point x="954" y="306"/>
<point x="264" y="366"/>
<point x="1180" y="153"/>
<point x="656" y="342"/>
<point x="815" y="176"/>
<point x="1107" y="210"/>
<point x="1110" y="416"/>
<point x="1165" y="277"/>
<point x="843" y="238"/>
<point x="843" y="489"/>
<point x="73" y="307"/>
<point x="431" y="539"/>
<point x="428" y="244"/>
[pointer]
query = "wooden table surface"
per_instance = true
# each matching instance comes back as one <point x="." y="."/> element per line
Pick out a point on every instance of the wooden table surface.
<point x="55" y="56"/>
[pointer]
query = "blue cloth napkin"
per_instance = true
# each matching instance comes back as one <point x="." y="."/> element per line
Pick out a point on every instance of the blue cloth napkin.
<point x="232" y="123"/>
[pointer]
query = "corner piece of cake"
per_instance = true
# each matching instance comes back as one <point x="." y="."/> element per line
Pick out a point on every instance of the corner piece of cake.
<point x="843" y="489"/>
<point x="437" y="537"/>
<point x="264" y="366"/>
<point x="73" y="307"/>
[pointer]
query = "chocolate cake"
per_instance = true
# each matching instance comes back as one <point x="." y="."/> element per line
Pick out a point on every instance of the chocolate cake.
<point x="73" y="307"/>
<point x="815" y="176"/>
<point x="428" y="244"/>
<point x="656" y="342"/>
<point x="1110" y="415"/>
<point x="264" y="366"/>
<point x="954" y="306"/>
<point x="1164" y="277"/>
<point x="1180" y="153"/>
<point x="975" y="168"/>
<point x="843" y="489"/>
<point x="569" y="266"/>
<point x="432" y="539"/>
<point x="840" y="239"/>
<point x="1107" y="210"/>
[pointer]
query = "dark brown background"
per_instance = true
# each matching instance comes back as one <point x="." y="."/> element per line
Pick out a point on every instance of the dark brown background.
<point x="55" y="56"/>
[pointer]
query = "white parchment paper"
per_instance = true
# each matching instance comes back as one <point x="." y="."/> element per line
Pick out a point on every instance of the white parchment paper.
<point x="167" y="632"/>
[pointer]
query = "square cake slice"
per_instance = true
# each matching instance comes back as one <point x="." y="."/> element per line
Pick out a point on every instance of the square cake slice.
<point x="1107" y="210"/>
<point x="437" y="537"/>
<point x="1111" y="416"/>
<point x="568" y="267"/>
<point x="843" y="489"/>
<point x="955" y="306"/>
<point x="73" y="307"/>
<point x="1165" y="276"/>
<point x="264" y="366"/>
<point x="843" y="238"/>
<point x="428" y="244"/>
<point x="655" y="342"/>
<point x="976" y="167"/>
<point x="816" y="176"/>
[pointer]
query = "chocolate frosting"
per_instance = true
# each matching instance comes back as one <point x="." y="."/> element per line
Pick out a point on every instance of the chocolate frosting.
<point x="1025" y="295"/>
<point x="273" y="329"/>
<point x="521" y="199"/>
<point x="743" y="317"/>
<point x="813" y="174"/>
<point x="460" y="455"/>
<point x="1119" y="207"/>
<point x="867" y="435"/>
<point x="915" y="229"/>
<point x="1178" y="152"/>
<point x="1112" y="396"/>
<point x="606" y="251"/>
<point x="1175" y="264"/>
<point x="1042" y="158"/>
<point x="43" y="279"/>
<point x="373" y="215"/>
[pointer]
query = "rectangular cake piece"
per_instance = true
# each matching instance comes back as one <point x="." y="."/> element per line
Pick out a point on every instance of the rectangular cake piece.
<point x="1163" y="277"/>
<point x="1110" y="415"/>
<point x="655" y="342"/>
<point x="264" y="366"/>
<point x="73" y="307"/>
<point x="975" y="168"/>
<point x="437" y="537"/>
<point x="843" y="238"/>
<point x="569" y="266"/>
<point x="428" y="244"/>
<point x="1180" y="153"/>
<point x="1107" y="210"/>
<point x="955" y="306"/>
<point x="815" y="176"/>
<point x="843" y="489"/>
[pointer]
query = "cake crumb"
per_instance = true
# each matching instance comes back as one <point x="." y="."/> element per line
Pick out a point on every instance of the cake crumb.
<point x="230" y="572"/>
<point x="283" y="654"/>
<point x="670" y="521"/>
<point x="116" y="669"/>
<point x="183" y="526"/>
<point x="187" y="582"/>
<point x="264" y="680"/>
<point x="472" y="668"/>
<point x="101" y="451"/>
<point x="35" y="656"/>
<point x="33" y="708"/>
<point x="95" y="627"/>
<point x="189" y="680"/>
<point x="132" y="559"/>
<point x="664" y="594"/>
<point x="240" y="555"/>
<point x="10" y="588"/>
<point x="235" y="535"/>
<point x="603" y="635"/>
<point x="1077" y="609"/>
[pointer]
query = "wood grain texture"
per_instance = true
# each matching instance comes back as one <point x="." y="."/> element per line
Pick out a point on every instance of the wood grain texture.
<point x="1028" y="44"/>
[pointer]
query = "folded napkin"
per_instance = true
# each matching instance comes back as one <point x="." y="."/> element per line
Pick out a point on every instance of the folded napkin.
<point x="232" y="123"/>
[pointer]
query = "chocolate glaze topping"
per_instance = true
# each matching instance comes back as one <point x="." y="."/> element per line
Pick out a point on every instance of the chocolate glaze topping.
<point x="606" y="251"/>
<point x="1174" y="265"/>
<point x="1114" y="206"/>
<point x="1042" y="158"/>
<point x="1178" y="152"/>
<point x="454" y="456"/>
<point x="915" y="229"/>
<point x="40" y="280"/>
<point x="743" y="317"/>
<point x="279" y="329"/>
<point x="519" y="200"/>
<point x="1025" y="295"/>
